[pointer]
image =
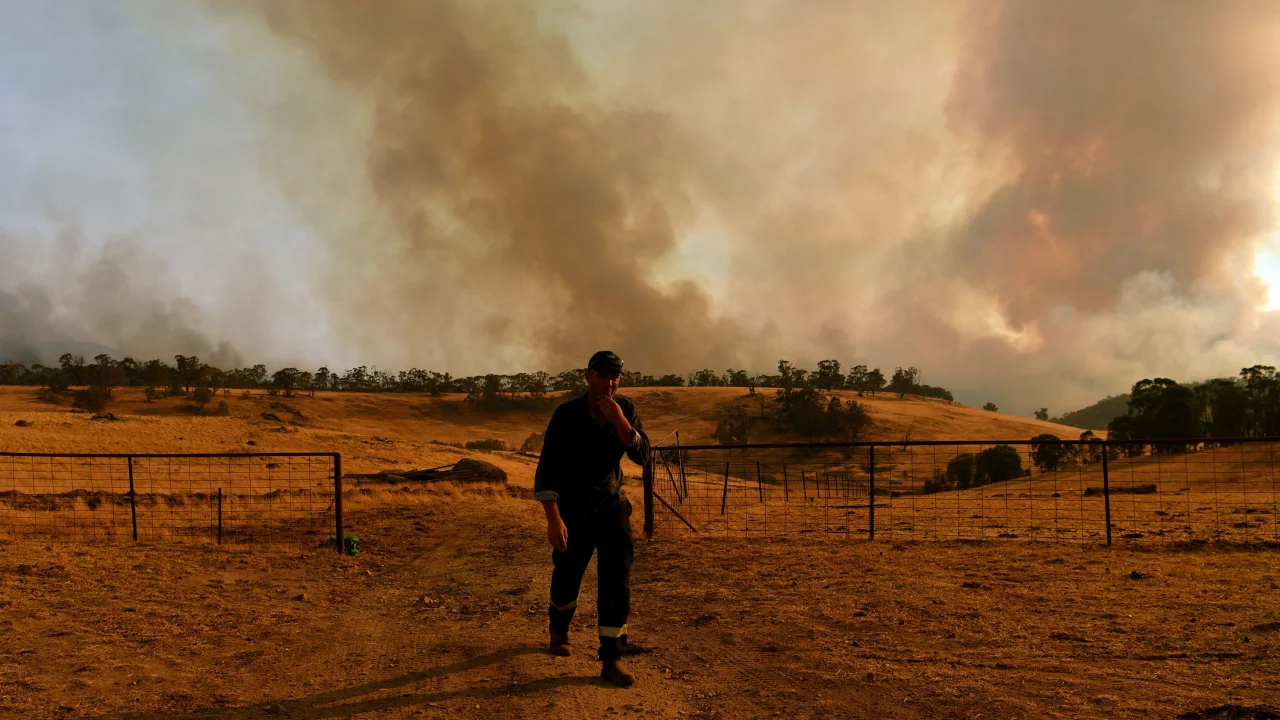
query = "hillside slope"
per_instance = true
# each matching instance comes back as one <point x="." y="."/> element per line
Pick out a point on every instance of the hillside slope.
<point x="1098" y="415"/>
<point x="382" y="431"/>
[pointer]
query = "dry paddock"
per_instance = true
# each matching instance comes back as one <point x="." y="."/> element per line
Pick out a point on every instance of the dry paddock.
<point x="442" y="615"/>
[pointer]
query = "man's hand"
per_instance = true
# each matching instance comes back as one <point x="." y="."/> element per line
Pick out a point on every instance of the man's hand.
<point x="557" y="533"/>
<point x="611" y="411"/>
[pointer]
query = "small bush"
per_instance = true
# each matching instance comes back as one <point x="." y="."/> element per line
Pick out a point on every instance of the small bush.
<point x="960" y="471"/>
<point x="223" y="408"/>
<point x="486" y="444"/>
<point x="998" y="464"/>
<point x="202" y="396"/>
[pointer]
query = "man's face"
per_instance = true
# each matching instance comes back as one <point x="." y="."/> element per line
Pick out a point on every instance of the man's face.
<point x="600" y="382"/>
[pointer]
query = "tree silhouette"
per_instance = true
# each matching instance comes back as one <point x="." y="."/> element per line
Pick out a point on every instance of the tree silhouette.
<point x="875" y="381"/>
<point x="828" y="376"/>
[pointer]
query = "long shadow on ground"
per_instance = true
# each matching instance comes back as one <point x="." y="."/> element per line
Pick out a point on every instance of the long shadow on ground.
<point x="345" y="702"/>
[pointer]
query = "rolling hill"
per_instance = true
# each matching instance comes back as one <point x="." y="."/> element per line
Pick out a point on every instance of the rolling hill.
<point x="377" y="431"/>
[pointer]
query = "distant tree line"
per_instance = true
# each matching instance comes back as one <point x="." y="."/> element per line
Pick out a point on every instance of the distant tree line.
<point x="1241" y="407"/>
<point x="187" y="374"/>
<point x="1244" y="406"/>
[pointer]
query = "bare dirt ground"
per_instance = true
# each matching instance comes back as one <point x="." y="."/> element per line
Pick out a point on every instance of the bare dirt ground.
<point x="443" y="615"/>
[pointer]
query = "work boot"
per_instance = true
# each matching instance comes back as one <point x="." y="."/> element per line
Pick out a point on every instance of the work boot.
<point x="611" y="672"/>
<point x="559" y="644"/>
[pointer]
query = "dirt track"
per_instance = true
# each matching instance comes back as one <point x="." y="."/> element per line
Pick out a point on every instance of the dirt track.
<point x="739" y="628"/>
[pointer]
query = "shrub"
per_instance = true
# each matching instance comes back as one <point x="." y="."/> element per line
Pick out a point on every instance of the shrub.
<point x="998" y="464"/>
<point x="223" y="408"/>
<point x="736" y="429"/>
<point x="486" y="444"/>
<point x="202" y="396"/>
<point x="960" y="471"/>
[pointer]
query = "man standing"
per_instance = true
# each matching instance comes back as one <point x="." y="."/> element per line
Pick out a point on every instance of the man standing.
<point x="579" y="482"/>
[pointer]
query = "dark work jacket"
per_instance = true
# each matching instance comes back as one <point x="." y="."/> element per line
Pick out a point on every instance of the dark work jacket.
<point x="581" y="462"/>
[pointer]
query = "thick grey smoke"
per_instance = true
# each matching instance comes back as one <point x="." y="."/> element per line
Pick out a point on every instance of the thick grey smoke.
<point x="523" y="216"/>
<point x="114" y="300"/>
<point x="1035" y="203"/>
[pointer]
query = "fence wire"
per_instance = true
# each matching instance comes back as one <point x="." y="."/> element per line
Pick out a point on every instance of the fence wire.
<point x="228" y="498"/>
<point x="1060" y="491"/>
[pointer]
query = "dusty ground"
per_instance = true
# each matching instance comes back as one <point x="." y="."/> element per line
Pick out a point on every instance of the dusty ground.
<point x="442" y="615"/>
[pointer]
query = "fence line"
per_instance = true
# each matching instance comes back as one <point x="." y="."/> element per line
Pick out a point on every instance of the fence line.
<point x="1095" y="491"/>
<point x="287" y="497"/>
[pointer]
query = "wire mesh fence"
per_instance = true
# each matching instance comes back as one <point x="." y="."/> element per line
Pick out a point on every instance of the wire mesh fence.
<point x="222" y="498"/>
<point x="1062" y="491"/>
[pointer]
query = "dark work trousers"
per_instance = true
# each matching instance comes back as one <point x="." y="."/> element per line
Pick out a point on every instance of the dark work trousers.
<point x="607" y="529"/>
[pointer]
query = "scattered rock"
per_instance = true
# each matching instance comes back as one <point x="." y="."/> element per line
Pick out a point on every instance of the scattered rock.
<point x="105" y="416"/>
<point x="271" y="416"/>
<point x="465" y="470"/>
<point x="251" y="442"/>
<point x="1135" y="575"/>
<point x="970" y="585"/>
<point x="301" y="597"/>
<point x="1266" y="627"/>
<point x="22" y="423"/>
<point x="1068" y="637"/>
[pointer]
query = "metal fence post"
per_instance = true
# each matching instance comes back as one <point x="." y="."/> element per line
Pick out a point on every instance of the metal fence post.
<point x="724" y="497"/>
<point x="684" y="480"/>
<point x="1106" y="490"/>
<point x="759" y="482"/>
<point x="219" y="516"/>
<point x="647" y="475"/>
<point x="871" y="493"/>
<point x="133" y="505"/>
<point x="337" y="500"/>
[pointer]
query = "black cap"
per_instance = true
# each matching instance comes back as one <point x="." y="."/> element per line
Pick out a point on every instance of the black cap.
<point x="605" y="361"/>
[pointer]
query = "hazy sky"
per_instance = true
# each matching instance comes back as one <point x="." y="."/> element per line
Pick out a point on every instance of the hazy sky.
<point x="1034" y="203"/>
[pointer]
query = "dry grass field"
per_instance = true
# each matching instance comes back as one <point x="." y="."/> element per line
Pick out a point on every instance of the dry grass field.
<point x="443" y="612"/>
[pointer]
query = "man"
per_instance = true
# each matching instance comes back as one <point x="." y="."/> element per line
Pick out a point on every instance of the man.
<point x="579" y="482"/>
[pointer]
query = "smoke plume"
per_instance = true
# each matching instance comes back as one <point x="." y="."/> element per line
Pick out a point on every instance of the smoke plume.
<point x="1034" y="203"/>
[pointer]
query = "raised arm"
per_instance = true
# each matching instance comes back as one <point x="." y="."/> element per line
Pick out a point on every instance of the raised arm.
<point x="638" y="450"/>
